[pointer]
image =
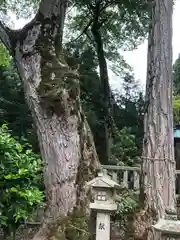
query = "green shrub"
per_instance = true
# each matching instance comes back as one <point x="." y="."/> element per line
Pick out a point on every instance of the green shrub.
<point x="124" y="149"/>
<point x="20" y="179"/>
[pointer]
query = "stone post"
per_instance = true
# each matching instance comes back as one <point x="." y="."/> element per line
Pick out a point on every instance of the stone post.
<point x="103" y="226"/>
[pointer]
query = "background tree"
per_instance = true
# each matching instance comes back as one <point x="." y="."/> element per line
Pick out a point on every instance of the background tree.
<point x="176" y="91"/>
<point x="176" y="76"/>
<point x="124" y="149"/>
<point x="13" y="108"/>
<point x="129" y="111"/>
<point x="110" y="26"/>
<point x="176" y="109"/>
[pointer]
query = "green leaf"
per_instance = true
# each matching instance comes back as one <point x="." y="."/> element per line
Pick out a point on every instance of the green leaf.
<point x="4" y="56"/>
<point x="13" y="189"/>
<point x="20" y="170"/>
<point x="3" y="220"/>
<point x="4" y="127"/>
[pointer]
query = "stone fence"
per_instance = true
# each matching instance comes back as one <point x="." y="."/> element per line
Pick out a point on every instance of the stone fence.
<point x="129" y="177"/>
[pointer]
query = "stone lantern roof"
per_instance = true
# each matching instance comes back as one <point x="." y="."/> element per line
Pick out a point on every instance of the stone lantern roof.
<point x="103" y="181"/>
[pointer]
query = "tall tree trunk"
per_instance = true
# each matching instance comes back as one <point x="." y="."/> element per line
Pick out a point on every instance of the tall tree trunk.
<point x="52" y="92"/>
<point x="108" y="124"/>
<point x="158" y="151"/>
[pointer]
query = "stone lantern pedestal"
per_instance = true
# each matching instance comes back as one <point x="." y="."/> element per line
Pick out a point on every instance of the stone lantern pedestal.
<point x="169" y="227"/>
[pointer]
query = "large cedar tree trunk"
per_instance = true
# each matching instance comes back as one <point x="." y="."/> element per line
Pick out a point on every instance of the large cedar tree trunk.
<point x="52" y="92"/>
<point x="158" y="150"/>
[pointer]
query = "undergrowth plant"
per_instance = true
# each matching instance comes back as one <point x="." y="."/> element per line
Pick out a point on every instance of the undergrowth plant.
<point x="20" y="179"/>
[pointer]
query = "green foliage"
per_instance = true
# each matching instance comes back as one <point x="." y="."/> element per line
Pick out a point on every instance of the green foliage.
<point x="91" y="95"/>
<point x="13" y="108"/>
<point x="4" y="56"/>
<point x="122" y="25"/>
<point x="20" y="178"/>
<point x="124" y="149"/>
<point x="77" y="228"/>
<point x="22" y="8"/>
<point x="131" y="88"/>
<point x="72" y="227"/>
<point x="128" y="112"/>
<point x="176" y="109"/>
<point x="127" y="204"/>
<point x="176" y="88"/>
<point x="127" y="108"/>
<point x="176" y="76"/>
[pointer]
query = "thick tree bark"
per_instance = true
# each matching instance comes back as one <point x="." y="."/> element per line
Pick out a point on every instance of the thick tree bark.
<point x="52" y="93"/>
<point x="158" y="151"/>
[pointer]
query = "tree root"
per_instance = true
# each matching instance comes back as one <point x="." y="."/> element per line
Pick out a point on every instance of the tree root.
<point x="75" y="226"/>
<point x="142" y="224"/>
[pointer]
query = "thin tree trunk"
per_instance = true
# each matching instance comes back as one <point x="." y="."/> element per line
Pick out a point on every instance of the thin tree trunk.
<point x="106" y="89"/>
<point x="52" y="92"/>
<point x="158" y="150"/>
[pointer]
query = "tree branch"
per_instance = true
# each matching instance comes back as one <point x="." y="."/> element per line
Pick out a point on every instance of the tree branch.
<point x="53" y="12"/>
<point x="92" y="10"/>
<point x="55" y="9"/>
<point x="108" y="4"/>
<point x="90" y="39"/>
<point x="84" y="31"/>
<point x="7" y="36"/>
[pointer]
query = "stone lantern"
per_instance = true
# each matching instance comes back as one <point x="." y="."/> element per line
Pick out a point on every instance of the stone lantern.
<point x="169" y="227"/>
<point x="104" y="195"/>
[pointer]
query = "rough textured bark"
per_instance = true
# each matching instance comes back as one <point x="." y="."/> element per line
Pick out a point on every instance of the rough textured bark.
<point x="52" y="93"/>
<point x="158" y="151"/>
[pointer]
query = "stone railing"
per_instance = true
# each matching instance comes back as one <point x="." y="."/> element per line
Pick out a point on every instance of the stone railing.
<point x="129" y="177"/>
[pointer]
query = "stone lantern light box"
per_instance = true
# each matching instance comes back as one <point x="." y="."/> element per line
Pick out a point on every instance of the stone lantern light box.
<point x="104" y="193"/>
